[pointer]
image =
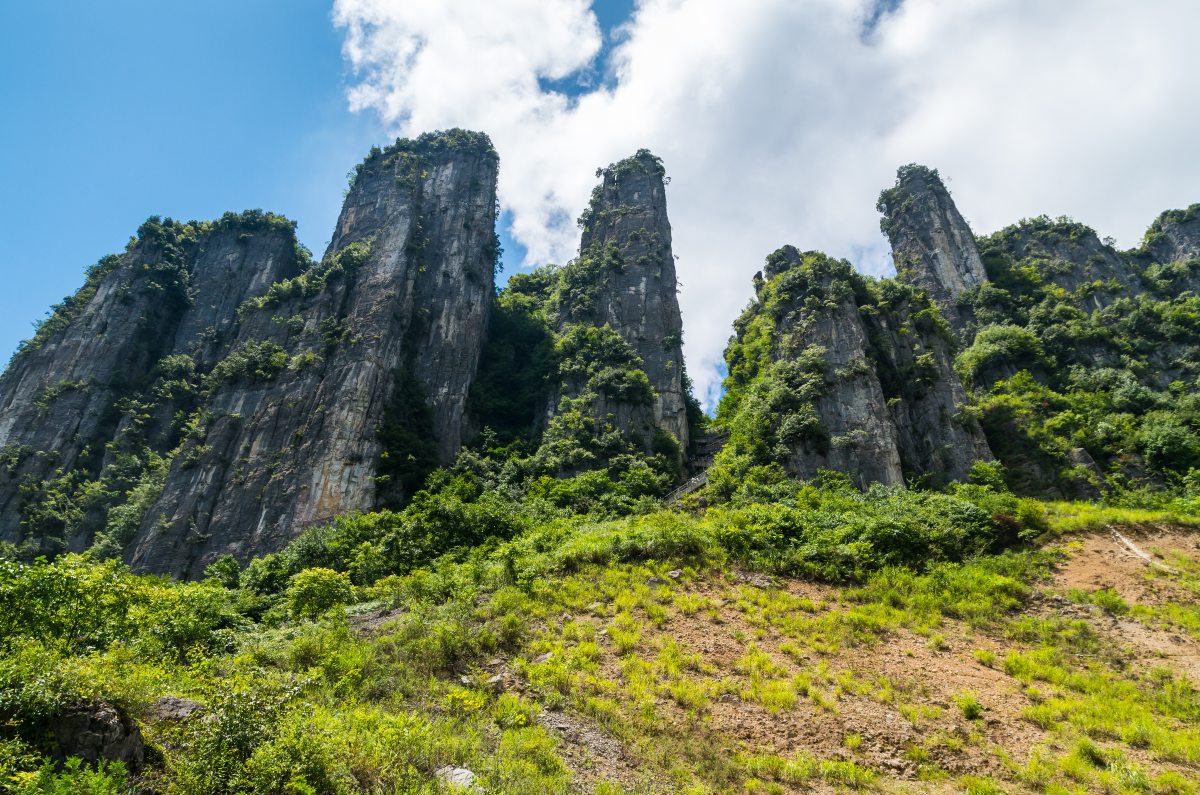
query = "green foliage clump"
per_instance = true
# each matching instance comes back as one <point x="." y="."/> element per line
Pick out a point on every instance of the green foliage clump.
<point x="108" y="778"/>
<point x="250" y="361"/>
<point x="546" y="351"/>
<point x="409" y="452"/>
<point x="843" y="534"/>
<point x="997" y="347"/>
<point x="312" y="592"/>
<point x="313" y="280"/>
<point x="73" y="604"/>
<point x="517" y="364"/>
<point x="602" y="361"/>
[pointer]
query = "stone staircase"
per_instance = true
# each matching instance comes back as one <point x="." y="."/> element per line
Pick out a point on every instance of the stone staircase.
<point x="709" y="444"/>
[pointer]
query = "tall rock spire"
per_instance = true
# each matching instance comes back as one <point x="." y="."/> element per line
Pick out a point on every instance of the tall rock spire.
<point x="627" y="236"/>
<point x="932" y="246"/>
<point x="105" y="374"/>
<point x="345" y="384"/>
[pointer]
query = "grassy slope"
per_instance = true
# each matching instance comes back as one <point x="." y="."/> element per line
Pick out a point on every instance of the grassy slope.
<point x="636" y="656"/>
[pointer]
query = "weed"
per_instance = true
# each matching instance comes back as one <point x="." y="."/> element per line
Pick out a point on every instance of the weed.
<point x="969" y="705"/>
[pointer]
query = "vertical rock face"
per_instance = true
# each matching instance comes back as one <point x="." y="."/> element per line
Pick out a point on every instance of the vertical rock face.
<point x="1175" y="236"/>
<point x="914" y="351"/>
<point x="66" y="395"/>
<point x="830" y="370"/>
<point x="212" y="391"/>
<point x="384" y="334"/>
<point x="630" y="286"/>
<point x="858" y="435"/>
<point x="932" y="246"/>
<point x="803" y="388"/>
<point x="429" y="208"/>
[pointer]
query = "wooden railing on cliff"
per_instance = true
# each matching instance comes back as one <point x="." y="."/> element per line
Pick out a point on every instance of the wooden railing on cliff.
<point x="706" y="450"/>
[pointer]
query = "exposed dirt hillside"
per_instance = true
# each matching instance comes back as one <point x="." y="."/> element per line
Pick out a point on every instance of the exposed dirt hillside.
<point x="921" y="684"/>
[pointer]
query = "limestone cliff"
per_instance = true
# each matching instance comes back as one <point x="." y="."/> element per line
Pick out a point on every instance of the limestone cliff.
<point x="818" y="319"/>
<point x="626" y="226"/>
<point x="914" y="351"/>
<point x="616" y="329"/>
<point x="213" y="392"/>
<point x="106" y="373"/>
<point x="386" y="331"/>
<point x="830" y="370"/>
<point x="932" y="246"/>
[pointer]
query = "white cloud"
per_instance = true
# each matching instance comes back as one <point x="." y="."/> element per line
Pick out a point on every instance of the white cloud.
<point x="779" y="122"/>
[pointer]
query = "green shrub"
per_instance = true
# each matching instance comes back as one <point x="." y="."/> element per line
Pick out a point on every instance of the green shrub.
<point x="108" y="778"/>
<point x="969" y="705"/>
<point x="997" y="347"/>
<point x="313" y="592"/>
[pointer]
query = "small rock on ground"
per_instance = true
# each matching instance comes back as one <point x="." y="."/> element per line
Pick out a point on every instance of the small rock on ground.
<point x="458" y="777"/>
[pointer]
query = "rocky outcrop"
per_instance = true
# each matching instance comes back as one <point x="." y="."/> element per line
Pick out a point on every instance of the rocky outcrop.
<point x="851" y="375"/>
<point x="344" y="382"/>
<point x="212" y="391"/>
<point x="89" y="374"/>
<point x="625" y="280"/>
<point x="173" y="708"/>
<point x="98" y="733"/>
<point x="802" y="392"/>
<point x="913" y="349"/>
<point x="1063" y="253"/>
<point x="932" y="246"/>
<point x="819" y="328"/>
<point x="1170" y="252"/>
<point x="1175" y="236"/>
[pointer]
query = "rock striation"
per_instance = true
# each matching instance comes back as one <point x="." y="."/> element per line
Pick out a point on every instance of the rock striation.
<point x="628" y="281"/>
<point x="847" y="374"/>
<point x="237" y="392"/>
<point x="932" y="246"/>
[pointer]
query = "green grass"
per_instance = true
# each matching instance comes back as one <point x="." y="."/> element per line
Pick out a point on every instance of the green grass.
<point x="584" y="615"/>
<point x="1069" y="518"/>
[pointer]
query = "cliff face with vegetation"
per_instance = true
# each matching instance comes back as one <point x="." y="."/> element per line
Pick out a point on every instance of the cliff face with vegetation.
<point x="584" y="370"/>
<point x="107" y="382"/>
<point x="627" y="235"/>
<point x="830" y="370"/>
<point x="213" y="391"/>
<point x="1041" y="345"/>
<point x="343" y="386"/>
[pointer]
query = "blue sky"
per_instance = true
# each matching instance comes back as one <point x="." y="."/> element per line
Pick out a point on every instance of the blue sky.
<point x="119" y="110"/>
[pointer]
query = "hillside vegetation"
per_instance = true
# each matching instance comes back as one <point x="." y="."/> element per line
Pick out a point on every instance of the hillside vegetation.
<point x="545" y="646"/>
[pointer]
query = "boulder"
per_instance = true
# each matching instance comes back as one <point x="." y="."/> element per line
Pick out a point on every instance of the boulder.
<point x="95" y="732"/>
